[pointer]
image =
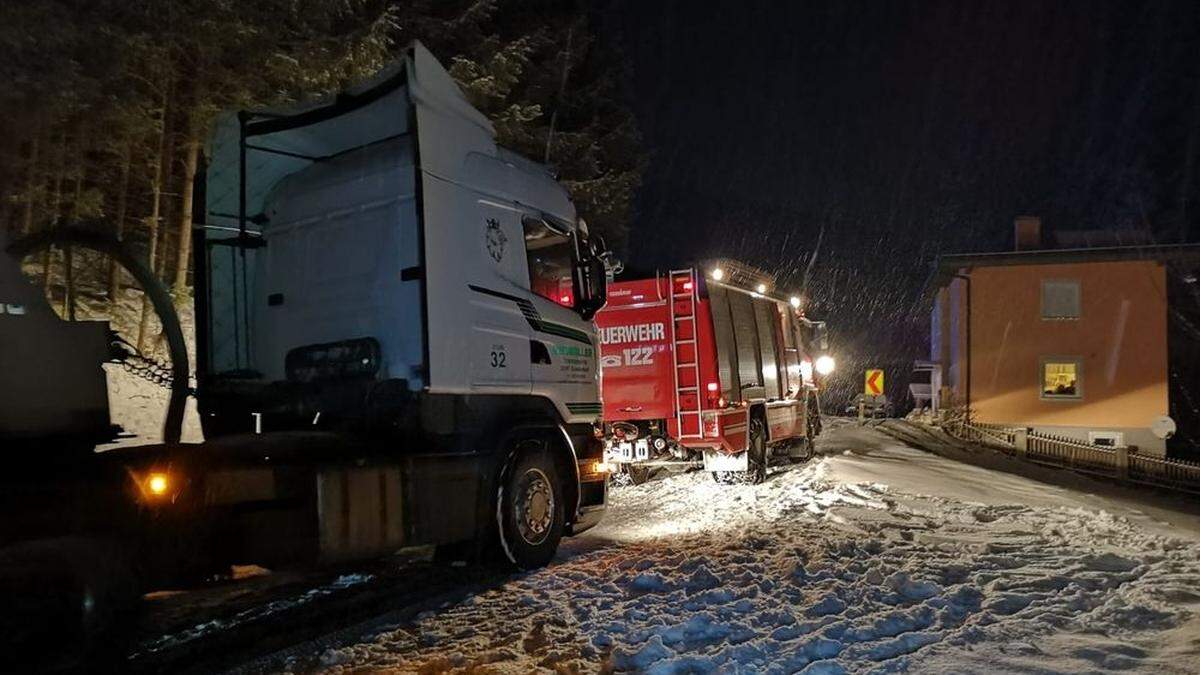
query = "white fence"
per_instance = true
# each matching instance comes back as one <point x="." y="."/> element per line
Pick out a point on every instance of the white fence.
<point x="1120" y="462"/>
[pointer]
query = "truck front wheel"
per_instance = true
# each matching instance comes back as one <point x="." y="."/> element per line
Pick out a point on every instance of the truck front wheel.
<point x="529" y="509"/>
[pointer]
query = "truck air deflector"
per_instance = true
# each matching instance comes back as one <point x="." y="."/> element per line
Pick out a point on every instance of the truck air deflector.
<point x="281" y="190"/>
<point x="286" y="142"/>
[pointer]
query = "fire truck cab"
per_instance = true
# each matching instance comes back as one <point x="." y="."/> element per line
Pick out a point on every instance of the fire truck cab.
<point x="708" y="367"/>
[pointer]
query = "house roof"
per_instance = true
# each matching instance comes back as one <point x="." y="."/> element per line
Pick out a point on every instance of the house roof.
<point x="951" y="264"/>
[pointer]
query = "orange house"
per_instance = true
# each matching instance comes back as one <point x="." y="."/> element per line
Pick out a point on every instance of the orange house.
<point x="1072" y="342"/>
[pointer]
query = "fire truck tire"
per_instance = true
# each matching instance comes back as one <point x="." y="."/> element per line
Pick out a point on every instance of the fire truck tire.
<point x="801" y="451"/>
<point x="530" y="512"/>
<point x="756" y="456"/>
<point x="639" y="475"/>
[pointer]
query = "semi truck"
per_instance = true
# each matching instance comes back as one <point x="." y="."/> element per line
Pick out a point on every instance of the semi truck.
<point x="394" y="347"/>
<point x="707" y="367"/>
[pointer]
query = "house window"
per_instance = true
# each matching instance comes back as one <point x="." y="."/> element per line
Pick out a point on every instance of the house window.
<point x="1060" y="379"/>
<point x="1060" y="299"/>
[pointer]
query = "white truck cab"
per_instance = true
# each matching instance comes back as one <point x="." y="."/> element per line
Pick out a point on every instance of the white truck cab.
<point x="375" y="265"/>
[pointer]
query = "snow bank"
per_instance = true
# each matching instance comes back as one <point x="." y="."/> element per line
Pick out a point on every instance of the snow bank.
<point x="874" y="558"/>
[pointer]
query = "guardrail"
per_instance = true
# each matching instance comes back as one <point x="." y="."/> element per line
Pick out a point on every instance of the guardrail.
<point x="1120" y="462"/>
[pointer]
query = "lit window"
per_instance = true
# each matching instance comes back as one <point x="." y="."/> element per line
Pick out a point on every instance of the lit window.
<point x="550" y="256"/>
<point x="1060" y="379"/>
<point x="1060" y="299"/>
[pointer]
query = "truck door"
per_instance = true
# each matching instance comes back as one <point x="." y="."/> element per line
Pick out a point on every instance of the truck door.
<point x="562" y="357"/>
<point x="500" y="331"/>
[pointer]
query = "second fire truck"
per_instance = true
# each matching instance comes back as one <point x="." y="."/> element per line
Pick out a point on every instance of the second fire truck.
<point x="709" y="367"/>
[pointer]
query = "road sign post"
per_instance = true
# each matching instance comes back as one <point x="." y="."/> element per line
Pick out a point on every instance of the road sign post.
<point x="872" y="388"/>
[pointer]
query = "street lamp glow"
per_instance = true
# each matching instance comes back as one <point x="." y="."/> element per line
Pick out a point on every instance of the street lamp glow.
<point x="795" y="300"/>
<point x="718" y="274"/>
<point x="824" y="364"/>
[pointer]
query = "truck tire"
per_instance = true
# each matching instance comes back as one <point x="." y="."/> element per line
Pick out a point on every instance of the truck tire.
<point x="801" y="451"/>
<point x="807" y="447"/>
<point x="756" y="457"/>
<point x="638" y="475"/>
<point x="530" y="513"/>
<point x="82" y="597"/>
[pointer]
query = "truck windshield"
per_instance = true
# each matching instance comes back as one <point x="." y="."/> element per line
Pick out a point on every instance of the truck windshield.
<point x="551" y="261"/>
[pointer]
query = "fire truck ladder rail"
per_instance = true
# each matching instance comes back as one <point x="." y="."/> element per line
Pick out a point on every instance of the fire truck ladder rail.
<point x="687" y="280"/>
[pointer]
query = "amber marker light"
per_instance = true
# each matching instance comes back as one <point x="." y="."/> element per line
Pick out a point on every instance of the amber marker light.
<point x="157" y="484"/>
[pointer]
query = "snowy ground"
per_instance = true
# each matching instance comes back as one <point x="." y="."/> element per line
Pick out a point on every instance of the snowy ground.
<point x="875" y="558"/>
<point x="139" y="407"/>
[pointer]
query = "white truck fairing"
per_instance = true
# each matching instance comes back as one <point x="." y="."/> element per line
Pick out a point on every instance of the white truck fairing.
<point x="390" y="214"/>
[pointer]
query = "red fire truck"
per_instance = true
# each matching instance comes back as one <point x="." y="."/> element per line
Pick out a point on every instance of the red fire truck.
<point x="708" y="367"/>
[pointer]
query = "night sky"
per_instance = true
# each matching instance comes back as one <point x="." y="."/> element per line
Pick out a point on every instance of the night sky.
<point x="896" y="131"/>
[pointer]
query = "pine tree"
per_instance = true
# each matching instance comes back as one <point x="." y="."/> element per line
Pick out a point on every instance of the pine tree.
<point x="111" y="100"/>
<point x="534" y="68"/>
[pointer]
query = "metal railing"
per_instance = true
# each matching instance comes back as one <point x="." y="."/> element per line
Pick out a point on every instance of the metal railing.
<point x="1120" y="462"/>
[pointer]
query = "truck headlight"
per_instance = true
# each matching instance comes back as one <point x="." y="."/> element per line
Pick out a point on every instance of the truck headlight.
<point x="824" y="364"/>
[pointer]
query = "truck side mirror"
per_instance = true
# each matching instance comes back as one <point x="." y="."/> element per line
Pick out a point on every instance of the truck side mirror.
<point x="597" y="295"/>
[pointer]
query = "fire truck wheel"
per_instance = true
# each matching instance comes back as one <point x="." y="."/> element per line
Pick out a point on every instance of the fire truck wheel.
<point x="638" y="474"/>
<point x="757" y="452"/>
<point x="529" y="509"/>
<point x="756" y="458"/>
<point x="801" y="451"/>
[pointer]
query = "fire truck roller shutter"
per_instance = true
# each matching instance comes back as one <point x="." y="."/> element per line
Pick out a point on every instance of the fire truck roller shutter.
<point x="790" y="365"/>
<point x="726" y="350"/>
<point x="745" y="336"/>
<point x="764" y="310"/>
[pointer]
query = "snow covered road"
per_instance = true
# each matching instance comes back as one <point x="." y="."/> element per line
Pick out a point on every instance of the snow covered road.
<point x="874" y="558"/>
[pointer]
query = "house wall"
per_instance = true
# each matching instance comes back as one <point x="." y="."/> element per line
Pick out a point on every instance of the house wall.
<point x="948" y="344"/>
<point x="1120" y="340"/>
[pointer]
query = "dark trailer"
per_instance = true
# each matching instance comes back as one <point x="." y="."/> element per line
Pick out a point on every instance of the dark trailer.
<point x="365" y="374"/>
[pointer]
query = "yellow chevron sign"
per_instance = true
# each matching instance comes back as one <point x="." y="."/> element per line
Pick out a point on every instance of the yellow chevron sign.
<point x="874" y="383"/>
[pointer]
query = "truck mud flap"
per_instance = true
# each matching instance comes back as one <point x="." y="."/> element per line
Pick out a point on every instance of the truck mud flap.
<point x="444" y="498"/>
<point x="715" y="460"/>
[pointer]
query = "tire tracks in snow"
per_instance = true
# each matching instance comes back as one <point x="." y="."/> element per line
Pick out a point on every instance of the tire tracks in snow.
<point x="816" y="572"/>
